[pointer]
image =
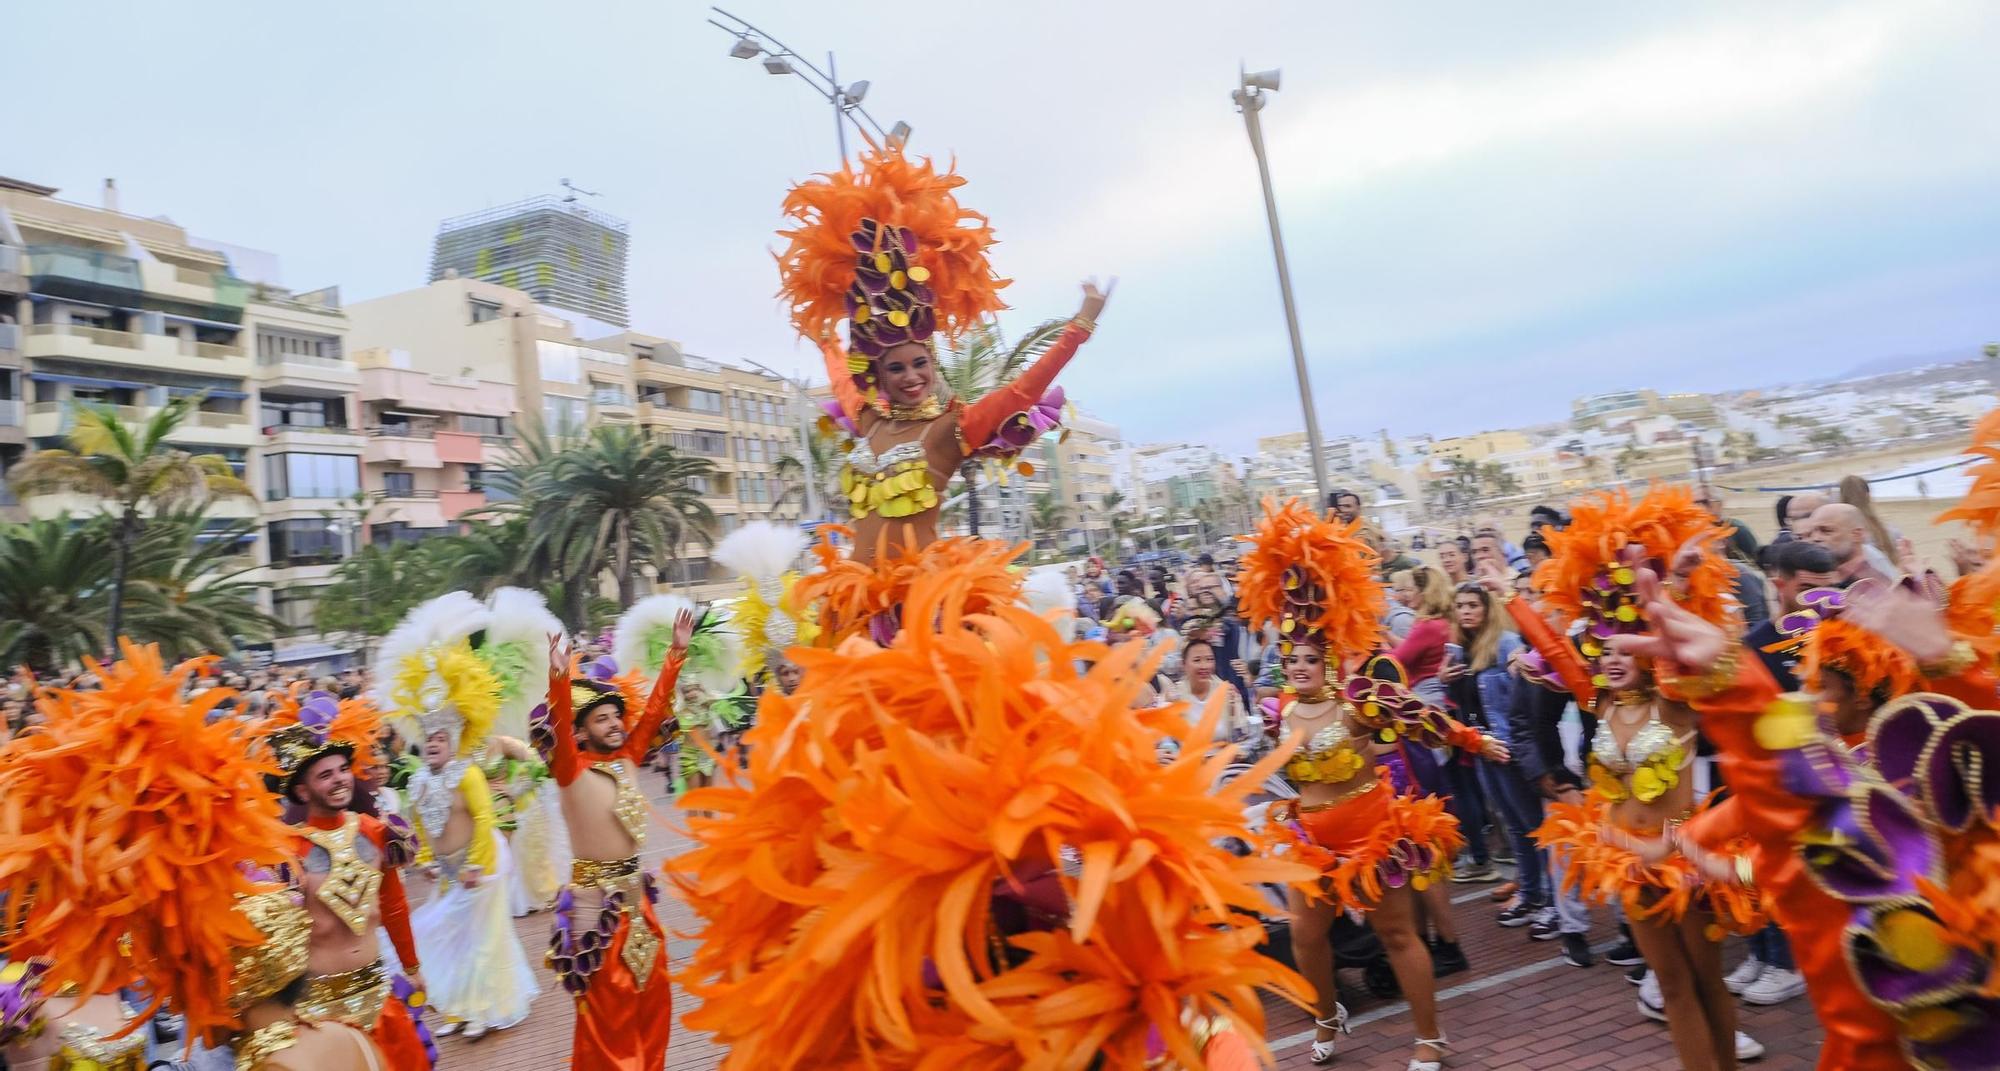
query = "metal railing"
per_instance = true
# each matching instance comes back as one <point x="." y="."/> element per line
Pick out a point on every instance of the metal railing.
<point x="102" y="336"/>
<point x="611" y="397"/>
<point x="209" y="419"/>
<point x="217" y="350"/>
<point x="414" y="492"/>
<point x="313" y="360"/>
<point x="402" y="431"/>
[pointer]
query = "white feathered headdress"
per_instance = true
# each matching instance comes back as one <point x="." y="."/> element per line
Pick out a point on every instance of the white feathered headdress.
<point x="431" y="680"/>
<point x="1046" y="593"/>
<point x="766" y="557"/>
<point x="645" y="633"/>
<point x="518" y="629"/>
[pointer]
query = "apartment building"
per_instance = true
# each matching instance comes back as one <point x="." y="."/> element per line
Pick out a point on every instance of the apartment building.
<point x="431" y="438"/>
<point x="1083" y="465"/>
<point x="107" y="308"/>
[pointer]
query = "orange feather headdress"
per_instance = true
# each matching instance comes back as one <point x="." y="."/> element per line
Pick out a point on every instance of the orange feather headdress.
<point x="1315" y="579"/>
<point x="888" y="248"/>
<point x="304" y="726"/>
<point x="1980" y="508"/>
<point x="130" y="826"/>
<point x="1593" y="565"/>
<point x="904" y="800"/>
<point x="1871" y="662"/>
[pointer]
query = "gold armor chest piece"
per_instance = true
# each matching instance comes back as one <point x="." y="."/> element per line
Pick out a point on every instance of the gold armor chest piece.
<point x="629" y="804"/>
<point x="352" y="883"/>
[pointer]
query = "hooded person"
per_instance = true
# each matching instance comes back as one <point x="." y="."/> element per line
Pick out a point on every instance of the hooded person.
<point x="446" y="697"/>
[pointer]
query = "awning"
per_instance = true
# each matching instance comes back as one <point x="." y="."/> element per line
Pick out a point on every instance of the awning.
<point x="309" y="652"/>
<point x="212" y="392"/>
<point x="88" y="381"/>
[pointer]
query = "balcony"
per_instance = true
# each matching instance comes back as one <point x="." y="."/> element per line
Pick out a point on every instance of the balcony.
<point x="168" y="352"/>
<point x="299" y="436"/>
<point x="406" y="447"/>
<point x="10" y="343"/>
<point x="11" y="279"/>
<point x="55" y="419"/>
<point x="93" y="275"/>
<point x="203" y="292"/>
<point x="308" y="369"/>
<point x="413" y="494"/>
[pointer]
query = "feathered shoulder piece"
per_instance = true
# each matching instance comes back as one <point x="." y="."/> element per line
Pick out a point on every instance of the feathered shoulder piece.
<point x="516" y="648"/>
<point x="645" y="633"/>
<point x="432" y="678"/>
<point x="1592" y="571"/>
<point x="886" y="887"/>
<point x="1980" y="508"/>
<point x="1315" y="579"/>
<point x="887" y="247"/>
<point x="867" y="599"/>
<point x="130" y="825"/>
<point x="765" y="557"/>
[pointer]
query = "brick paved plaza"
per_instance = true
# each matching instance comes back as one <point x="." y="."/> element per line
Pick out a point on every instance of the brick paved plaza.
<point x="1520" y="1008"/>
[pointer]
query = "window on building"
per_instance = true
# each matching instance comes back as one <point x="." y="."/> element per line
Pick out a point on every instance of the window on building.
<point x="475" y="478"/>
<point x="705" y="401"/>
<point x="283" y="411"/>
<point x="564" y="416"/>
<point x="277" y="347"/>
<point x="297" y="475"/>
<point x="304" y="542"/>
<point x="482" y="425"/>
<point x="399" y="484"/>
<point x="699" y="484"/>
<point x="294" y="606"/>
<point x="560" y="361"/>
<point x="482" y="311"/>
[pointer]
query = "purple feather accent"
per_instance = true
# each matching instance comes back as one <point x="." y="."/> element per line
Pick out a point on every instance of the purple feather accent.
<point x="1899" y="733"/>
<point x="1020" y="430"/>
<point x="21" y="1001"/>
<point x="908" y="239"/>
<point x="399" y="848"/>
<point x="840" y="418"/>
<point x="603" y="669"/>
<point x="318" y="712"/>
<point x="1960" y="773"/>
<point x="1883" y="847"/>
<point x="405" y="991"/>
<point x="652" y="886"/>
<point x="541" y="734"/>
<point x="1973" y="1045"/>
<point x="882" y="629"/>
<point x="1888" y="982"/>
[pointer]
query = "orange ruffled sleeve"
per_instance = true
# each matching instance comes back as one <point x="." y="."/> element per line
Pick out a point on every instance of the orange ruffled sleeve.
<point x="984" y="417"/>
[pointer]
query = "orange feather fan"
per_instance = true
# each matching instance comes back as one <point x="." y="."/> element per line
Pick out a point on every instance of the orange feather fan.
<point x="1661" y="522"/>
<point x="852" y="596"/>
<point x="1603" y="872"/>
<point x="128" y="827"/>
<point x="847" y="887"/>
<point x="1868" y="660"/>
<point x="1980" y="508"/>
<point x="1315" y="574"/>
<point x="817" y="266"/>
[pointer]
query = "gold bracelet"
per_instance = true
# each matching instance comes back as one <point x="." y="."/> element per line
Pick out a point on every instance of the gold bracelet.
<point x="1712" y="681"/>
<point x="1957" y="660"/>
<point x="1080" y="320"/>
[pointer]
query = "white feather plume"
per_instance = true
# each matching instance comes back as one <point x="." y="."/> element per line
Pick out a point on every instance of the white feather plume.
<point x="760" y="550"/>
<point x="520" y="616"/>
<point x="1046" y="592"/>
<point x="454" y="615"/>
<point x="634" y="631"/>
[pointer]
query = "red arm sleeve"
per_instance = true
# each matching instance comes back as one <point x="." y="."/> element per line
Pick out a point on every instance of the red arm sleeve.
<point x="1974" y="687"/>
<point x="659" y="704"/>
<point x="842" y="379"/>
<point x="1764" y="809"/>
<point x="1423" y="637"/>
<point x="562" y="759"/>
<point x="1557" y="651"/>
<point x="984" y="417"/>
<point x="395" y="905"/>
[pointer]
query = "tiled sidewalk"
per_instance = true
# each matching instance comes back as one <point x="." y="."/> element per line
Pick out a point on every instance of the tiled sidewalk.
<point x="1520" y="1008"/>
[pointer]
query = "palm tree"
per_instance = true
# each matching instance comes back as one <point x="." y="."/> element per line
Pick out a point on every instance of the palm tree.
<point x="1119" y="521"/>
<point x="824" y="453"/>
<point x="187" y="588"/>
<point x="1046" y="515"/>
<point x="134" y="471"/>
<point x="624" y="493"/>
<point x="981" y="363"/>
<point x="52" y="579"/>
<point x="375" y="587"/>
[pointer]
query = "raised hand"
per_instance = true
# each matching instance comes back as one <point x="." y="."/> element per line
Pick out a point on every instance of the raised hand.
<point x="683" y="630"/>
<point x="1094" y="299"/>
<point x="1676" y="635"/>
<point x="1900" y="616"/>
<point x="558" y="655"/>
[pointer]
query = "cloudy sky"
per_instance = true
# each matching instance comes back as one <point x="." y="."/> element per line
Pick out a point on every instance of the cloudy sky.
<point x="1490" y="208"/>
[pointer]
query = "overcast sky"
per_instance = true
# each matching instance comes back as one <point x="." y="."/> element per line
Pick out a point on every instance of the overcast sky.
<point x="1491" y="208"/>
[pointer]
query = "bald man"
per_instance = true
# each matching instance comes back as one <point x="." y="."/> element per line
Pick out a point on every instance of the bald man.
<point x="1843" y="531"/>
<point x="1800" y="510"/>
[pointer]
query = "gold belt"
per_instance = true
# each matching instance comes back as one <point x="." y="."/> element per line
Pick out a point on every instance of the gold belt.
<point x="1346" y="794"/>
<point x="607" y="874"/>
<point x="353" y="997"/>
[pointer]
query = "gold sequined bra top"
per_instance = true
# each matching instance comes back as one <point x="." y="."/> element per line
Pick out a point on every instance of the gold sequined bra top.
<point x="1647" y="766"/>
<point x="1329" y="756"/>
<point x="84" y="1049"/>
<point x="893" y="483"/>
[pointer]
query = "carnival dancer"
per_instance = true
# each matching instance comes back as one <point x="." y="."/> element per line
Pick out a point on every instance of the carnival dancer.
<point x="608" y="948"/>
<point x="174" y="895"/>
<point x="1643" y="748"/>
<point x="1373" y="848"/>
<point x="711" y="705"/>
<point x="888" y="249"/>
<point x="352" y="876"/>
<point x="765" y="557"/>
<point x="885" y="884"/>
<point x="446" y="696"/>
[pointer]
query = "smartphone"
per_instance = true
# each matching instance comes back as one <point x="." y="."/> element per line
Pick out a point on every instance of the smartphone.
<point x="1453" y="653"/>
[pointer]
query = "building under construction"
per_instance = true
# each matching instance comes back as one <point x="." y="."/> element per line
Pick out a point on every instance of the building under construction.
<point x="556" y="250"/>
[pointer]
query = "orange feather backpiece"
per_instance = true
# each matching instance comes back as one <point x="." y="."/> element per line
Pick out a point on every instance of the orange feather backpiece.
<point x="848" y="887"/>
<point x="1316" y="574"/>
<point x="1602" y="528"/>
<point x="818" y="265"/>
<point x="1980" y="508"/>
<point x="127" y="826"/>
<point x="853" y="598"/>
<point x="1867" y="659"/>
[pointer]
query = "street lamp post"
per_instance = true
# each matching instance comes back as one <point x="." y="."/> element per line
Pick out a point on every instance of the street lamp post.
<point x="1249" y="97"/>
<point x="779" y="58"/>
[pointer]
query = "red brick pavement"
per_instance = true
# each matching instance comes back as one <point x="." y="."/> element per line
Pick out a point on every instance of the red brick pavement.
<point x="1520" y="1009"/>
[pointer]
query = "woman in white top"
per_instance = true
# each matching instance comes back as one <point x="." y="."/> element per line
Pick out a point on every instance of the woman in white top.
<point x="1198" y="660"/>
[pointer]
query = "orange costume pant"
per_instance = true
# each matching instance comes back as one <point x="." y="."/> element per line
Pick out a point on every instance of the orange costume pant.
<point x="395" y="1035"/>
<point x="619" y="1025"/>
